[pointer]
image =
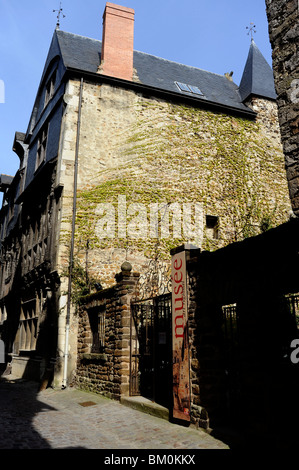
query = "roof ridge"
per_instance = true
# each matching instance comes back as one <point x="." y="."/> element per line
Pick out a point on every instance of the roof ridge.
<point x="179" y="63"/>
<point x="81" y="52"/>
<point x="79" y="35"/>
<point x="148" y="54"/>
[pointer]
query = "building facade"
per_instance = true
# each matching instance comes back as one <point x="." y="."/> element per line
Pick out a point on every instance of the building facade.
<point x="126" y="157"/>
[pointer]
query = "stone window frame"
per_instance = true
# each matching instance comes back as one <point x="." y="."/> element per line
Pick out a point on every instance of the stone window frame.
<point x="97" y="319"/>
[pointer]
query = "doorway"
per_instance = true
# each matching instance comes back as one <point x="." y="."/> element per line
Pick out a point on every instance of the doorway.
<point x="151" y="350"/>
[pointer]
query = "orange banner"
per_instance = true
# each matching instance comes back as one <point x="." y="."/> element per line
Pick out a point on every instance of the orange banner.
<point x="180" y="349"/>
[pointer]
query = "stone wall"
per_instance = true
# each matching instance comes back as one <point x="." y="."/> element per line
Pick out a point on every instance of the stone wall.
<point x="136" y="149"/>
<point x="267" y="116"/>
<point x="147" y="151"/>
<point x="283" y="18"/>
<point x="105" y="368"/>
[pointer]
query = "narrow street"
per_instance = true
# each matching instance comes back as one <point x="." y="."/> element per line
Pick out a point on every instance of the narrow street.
<point x="73" y="419"/>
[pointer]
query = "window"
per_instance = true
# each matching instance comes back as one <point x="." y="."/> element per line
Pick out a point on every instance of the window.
<point x="97" y="326"/>
<point x="11" y="203"/>
<point x="195" y="90"/>
<point x="9" y="265"/>
<point x="35" y="242"/>
<point x="212" y="226"/>
<point x="183" y="87"/>
<point x="50" y="88"/>
<point x="28" y="326"/>
<point x="188" y="88"/>
<point x="41" y="147"/>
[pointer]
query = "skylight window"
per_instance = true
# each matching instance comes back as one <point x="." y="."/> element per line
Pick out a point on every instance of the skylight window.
<point x="195" y="90"/>
<point x="183" y="86"/>
<point x="188" y="88"/>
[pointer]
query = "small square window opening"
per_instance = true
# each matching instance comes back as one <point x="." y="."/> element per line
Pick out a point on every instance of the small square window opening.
<point x="212" y="226"/>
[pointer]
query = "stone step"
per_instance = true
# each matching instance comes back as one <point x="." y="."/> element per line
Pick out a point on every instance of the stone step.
<point x="146" y="406"/>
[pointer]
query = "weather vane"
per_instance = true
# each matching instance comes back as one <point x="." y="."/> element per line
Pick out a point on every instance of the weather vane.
<point x="251" y="29"/>
<point x="59" y="12"/>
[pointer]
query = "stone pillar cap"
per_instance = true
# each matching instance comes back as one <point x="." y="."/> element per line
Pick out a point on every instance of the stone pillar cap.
<point x="126" y="266"/>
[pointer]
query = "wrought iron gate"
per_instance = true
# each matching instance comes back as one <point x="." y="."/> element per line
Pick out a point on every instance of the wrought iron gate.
<point x="151" y="360"/>
<point x="231" y="357"/>
<point x="293" y="306"/>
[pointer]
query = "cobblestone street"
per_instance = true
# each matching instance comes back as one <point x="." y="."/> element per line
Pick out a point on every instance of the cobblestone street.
<point x="73" y="419"/>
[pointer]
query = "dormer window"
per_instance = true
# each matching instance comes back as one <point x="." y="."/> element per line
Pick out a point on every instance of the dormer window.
<point x="50" y="88"/>
<point x="41" y="146"/>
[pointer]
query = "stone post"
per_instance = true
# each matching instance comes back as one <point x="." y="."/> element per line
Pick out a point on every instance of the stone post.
<point x="126" y="283"/>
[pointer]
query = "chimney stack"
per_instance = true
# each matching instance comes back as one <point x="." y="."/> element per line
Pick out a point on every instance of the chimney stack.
<point x="117" y="42"/>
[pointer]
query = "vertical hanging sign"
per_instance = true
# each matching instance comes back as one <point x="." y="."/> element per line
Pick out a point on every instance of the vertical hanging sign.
<point x="180" y="347"/>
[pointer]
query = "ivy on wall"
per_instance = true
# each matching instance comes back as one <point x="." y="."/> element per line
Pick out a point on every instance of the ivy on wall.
<point x="174" y="153"/>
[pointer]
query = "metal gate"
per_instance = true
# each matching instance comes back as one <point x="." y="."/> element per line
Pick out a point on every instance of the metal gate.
<point x="293" y="307"/>
<point x="151" y="352"/>
<point x="231" y="357"/>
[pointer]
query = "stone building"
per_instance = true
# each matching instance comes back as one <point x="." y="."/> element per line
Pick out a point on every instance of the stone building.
<point x="126" y="157"/>
<point x="283" y="18"/>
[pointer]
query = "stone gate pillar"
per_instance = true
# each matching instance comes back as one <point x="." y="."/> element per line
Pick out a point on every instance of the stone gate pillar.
<point x="125" y="288"/>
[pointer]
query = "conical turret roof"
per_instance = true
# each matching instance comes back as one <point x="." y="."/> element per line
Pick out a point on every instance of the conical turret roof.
<point x="257" y="78"/>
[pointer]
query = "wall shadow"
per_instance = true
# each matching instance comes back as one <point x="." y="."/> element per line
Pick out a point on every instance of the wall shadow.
<point x="249" y="382"/>
<point x="19" y="404"/>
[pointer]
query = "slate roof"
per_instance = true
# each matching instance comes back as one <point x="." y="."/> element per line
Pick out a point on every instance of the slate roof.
<point x="84" y="54"/>
<point x="163" y="74"/>
<point x="257" y="78"/>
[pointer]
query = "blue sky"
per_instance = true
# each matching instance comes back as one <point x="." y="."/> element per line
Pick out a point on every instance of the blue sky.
<point x="208" y="34"/>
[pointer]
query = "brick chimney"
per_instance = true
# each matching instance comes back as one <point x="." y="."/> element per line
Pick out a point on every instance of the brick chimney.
<point x="117" y="42"/>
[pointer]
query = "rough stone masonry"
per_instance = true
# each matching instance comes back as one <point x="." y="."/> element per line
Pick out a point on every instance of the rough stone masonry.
<point x="283" y="21"/>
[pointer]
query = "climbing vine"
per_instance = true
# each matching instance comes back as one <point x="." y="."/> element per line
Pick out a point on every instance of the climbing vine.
<point x="173" y="153"/>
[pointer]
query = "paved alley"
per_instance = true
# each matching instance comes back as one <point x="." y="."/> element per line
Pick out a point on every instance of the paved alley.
<point x="73" y="419"/>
